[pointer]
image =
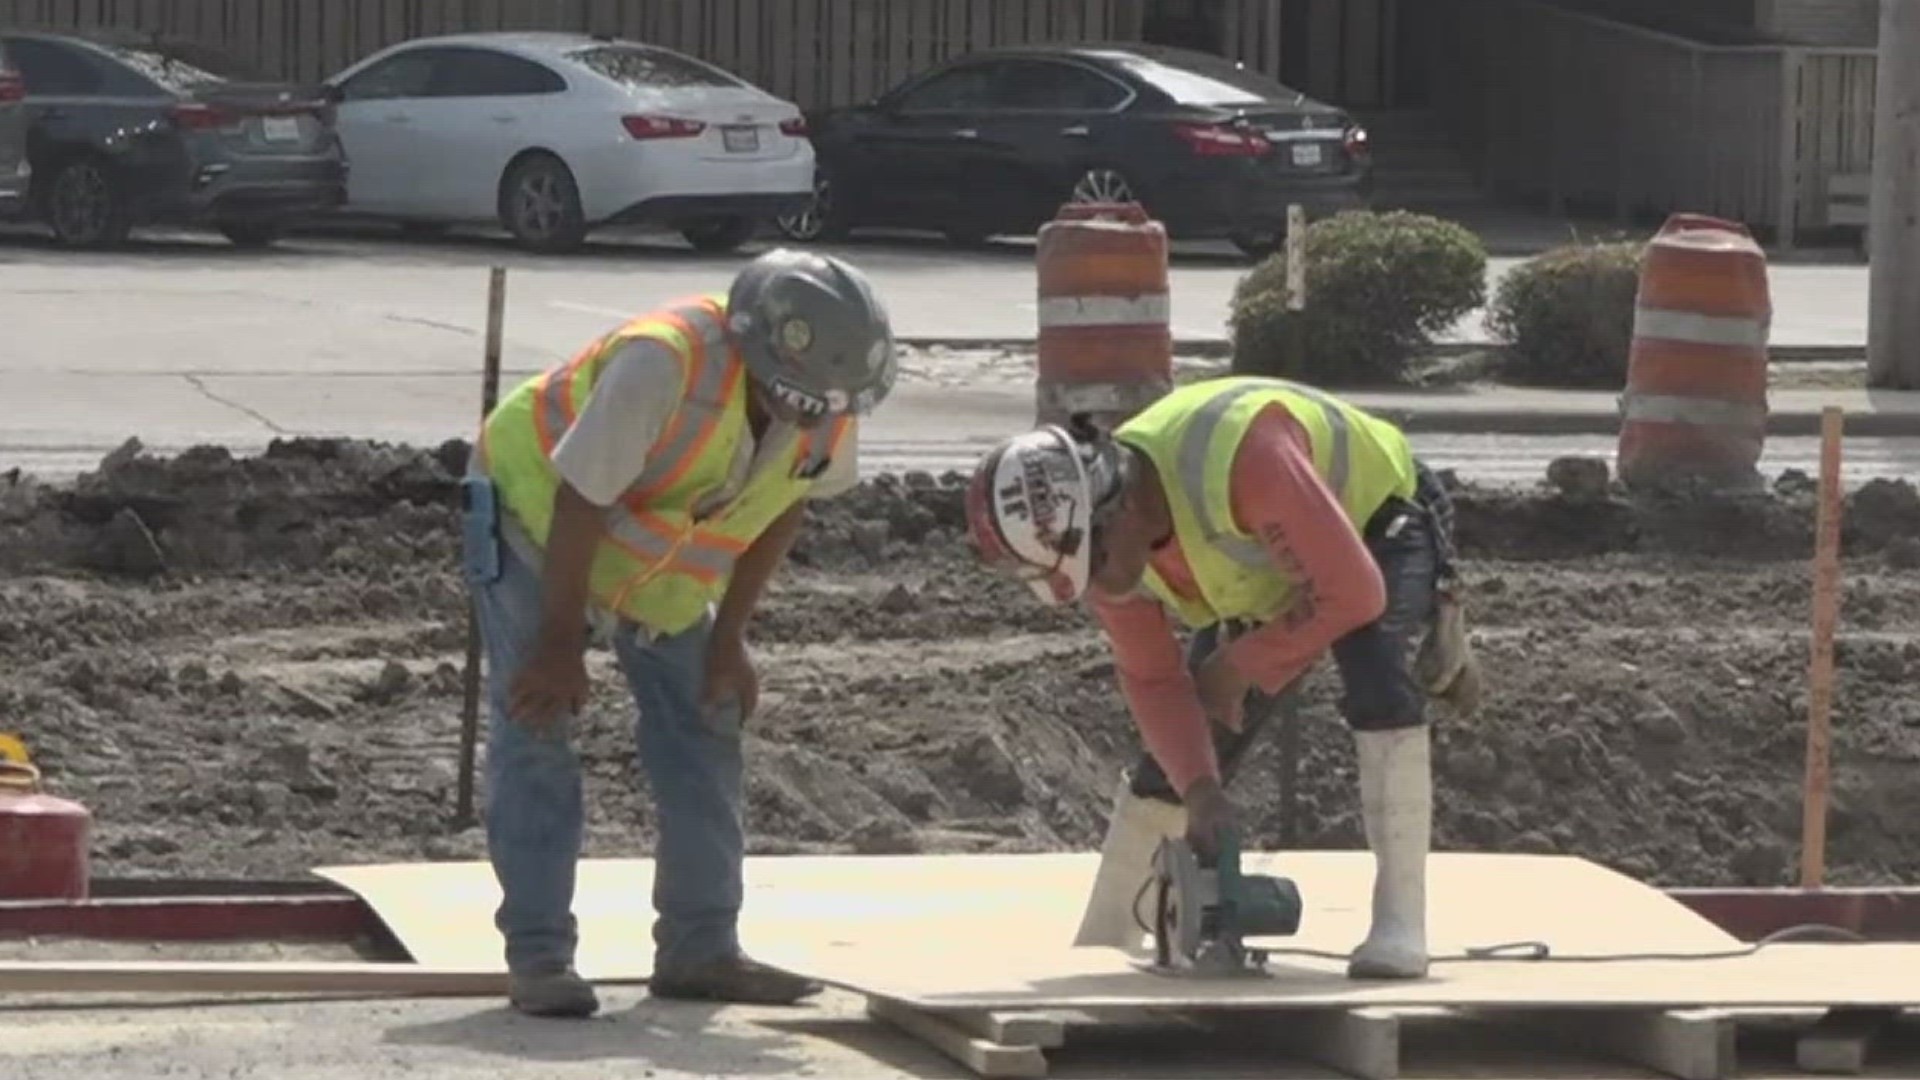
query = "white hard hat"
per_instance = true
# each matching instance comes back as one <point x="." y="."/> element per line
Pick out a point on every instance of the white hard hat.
<point x="1033" y="504"/>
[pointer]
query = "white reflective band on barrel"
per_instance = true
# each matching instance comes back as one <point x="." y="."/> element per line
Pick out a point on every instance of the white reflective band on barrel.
<point x="1702" y="412"/>
<point x="1697" y="329"/>
<point x="1195" y="446"/>
<point x="1059" y="312"/>
<point x="1100" y="397"/>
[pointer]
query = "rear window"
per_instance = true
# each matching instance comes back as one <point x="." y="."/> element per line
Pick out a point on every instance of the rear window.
<point x="1204" y="82"/>
<point x="640" y="66"/>
<point x="184" y="66"/>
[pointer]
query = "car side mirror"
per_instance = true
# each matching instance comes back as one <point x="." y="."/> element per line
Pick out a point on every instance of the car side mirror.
<point x="331" y="94"/>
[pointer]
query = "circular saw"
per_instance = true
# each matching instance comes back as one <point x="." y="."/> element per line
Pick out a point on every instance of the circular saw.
<point x="1204" y="909"/>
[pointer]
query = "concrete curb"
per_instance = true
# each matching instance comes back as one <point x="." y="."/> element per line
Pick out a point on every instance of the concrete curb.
<point x="1499" y="421"/>
<point x="1221" y="348"/>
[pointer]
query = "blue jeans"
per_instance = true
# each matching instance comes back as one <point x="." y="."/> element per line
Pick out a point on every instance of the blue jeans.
<point x="535" y="816"/>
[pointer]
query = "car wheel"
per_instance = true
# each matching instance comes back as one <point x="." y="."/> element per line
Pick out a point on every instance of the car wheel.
<point x="251" y="234"/>
<point x="717" y="236"/>
<point x="540" y="204"/>
<point x="1102" y="185"/>
<point x="1259" y="245"/>
<point x="84" y="207"/>
<point x="821" y="220"/>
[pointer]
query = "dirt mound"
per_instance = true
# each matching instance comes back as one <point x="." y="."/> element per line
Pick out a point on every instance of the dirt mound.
<point x="251" y="666"/>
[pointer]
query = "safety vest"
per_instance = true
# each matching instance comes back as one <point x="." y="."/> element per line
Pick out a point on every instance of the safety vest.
<point x="658" y="563"/>
<point x="1191" y="436"/>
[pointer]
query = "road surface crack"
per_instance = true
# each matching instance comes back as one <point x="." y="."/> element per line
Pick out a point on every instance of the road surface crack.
<point x="207" y="392"/>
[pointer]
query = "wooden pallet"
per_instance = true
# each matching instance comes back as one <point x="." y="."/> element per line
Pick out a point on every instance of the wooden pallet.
<point x="1688" y="1044"/>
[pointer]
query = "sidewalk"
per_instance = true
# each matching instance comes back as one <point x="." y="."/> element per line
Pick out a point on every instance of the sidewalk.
<point x="1493" y="409"/>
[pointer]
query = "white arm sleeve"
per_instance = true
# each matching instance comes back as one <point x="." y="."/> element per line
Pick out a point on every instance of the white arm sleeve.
<point x="843" y="470"/>
<point x="607" y="447"/>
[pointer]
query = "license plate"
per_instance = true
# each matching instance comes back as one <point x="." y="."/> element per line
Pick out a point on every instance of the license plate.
<point x="280" y="128"/>
<point x="1306" y="155"/>
<point x="740" y="140"/>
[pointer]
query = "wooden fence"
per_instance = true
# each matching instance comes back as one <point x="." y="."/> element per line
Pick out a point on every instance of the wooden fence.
<point x="815" y="52"/>
<point x="1564" y="108"/>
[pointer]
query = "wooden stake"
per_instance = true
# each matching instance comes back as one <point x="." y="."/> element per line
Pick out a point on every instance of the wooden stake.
<point x="1826" y="603"/>
<point x="470" y="704"/>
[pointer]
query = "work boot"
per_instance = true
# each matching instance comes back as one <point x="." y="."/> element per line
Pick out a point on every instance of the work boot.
<point x="1134" y="831"/>
<point x="1396" y="799"/>
<point x="734" y="979"/>
<point x="552" y="992"/>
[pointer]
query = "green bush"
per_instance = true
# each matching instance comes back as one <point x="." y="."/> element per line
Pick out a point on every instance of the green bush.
<point x="1379" y="286"/>
<point x="1566" y="316"/>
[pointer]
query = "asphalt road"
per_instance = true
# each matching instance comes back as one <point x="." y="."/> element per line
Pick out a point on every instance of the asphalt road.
<point x="184" y="340"/>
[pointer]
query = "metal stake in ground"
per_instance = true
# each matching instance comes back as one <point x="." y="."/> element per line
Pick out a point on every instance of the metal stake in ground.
<point x="470" y="703"/>
<point x="1826" y="603"/>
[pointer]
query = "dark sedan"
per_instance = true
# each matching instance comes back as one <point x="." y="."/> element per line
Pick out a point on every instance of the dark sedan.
<point x="124" y="131"/>
<point x="13" y="137"/>
<point x="994" y="142"/>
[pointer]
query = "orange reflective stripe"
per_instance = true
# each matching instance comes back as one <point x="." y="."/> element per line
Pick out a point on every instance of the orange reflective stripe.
<point x="554" y="412"/>
<point x="680" y="445"/>
<point x="816" y="447"/>
<point x="555" y="392"/>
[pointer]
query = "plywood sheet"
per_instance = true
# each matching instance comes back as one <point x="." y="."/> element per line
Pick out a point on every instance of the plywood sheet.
<point x="947" y="976"/>
<point x="1004" y="905"/>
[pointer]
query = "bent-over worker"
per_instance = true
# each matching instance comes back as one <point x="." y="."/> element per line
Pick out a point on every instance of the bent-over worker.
<point x="646" y="491"/>
<point x="1279" y="523"/>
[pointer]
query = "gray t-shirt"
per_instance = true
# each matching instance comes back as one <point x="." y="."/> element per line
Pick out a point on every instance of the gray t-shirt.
<point x="606" y="449"/>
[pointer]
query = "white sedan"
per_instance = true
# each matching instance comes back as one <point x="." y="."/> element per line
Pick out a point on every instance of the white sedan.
<point x="552" y="134"/>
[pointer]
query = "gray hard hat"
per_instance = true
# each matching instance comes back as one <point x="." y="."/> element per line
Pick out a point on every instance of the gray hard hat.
<point x="812" y="332"/>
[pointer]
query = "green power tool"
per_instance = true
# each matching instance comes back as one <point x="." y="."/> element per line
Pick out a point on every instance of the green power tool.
<point x="1205" y="910"/>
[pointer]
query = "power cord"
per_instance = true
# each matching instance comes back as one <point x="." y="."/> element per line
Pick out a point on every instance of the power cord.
<point x="1542" y="952"/>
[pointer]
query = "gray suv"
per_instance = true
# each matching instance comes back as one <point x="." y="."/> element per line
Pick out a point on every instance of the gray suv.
<point x="13" y="136"/>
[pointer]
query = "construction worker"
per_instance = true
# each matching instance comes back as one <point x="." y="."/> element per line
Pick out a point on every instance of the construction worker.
<point x="1278" y="522"/>
<point x="645" y="491"/>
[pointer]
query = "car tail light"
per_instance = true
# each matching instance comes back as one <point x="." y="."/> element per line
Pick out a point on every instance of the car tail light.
<point x="12" y="86"/>
<point x="1358" y="143"/>
<point x="794" y="128"/>
<point x="661" y="127"/>
<point x="196" y="116"/>
<point x="1222" y="140"/>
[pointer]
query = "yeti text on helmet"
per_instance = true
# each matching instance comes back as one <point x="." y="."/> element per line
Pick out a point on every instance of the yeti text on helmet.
<point x="812" y="333"/>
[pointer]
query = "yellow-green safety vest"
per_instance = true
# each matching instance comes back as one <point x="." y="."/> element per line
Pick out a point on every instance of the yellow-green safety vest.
<point x="1192" y="434"/>
<point x="657" y="563"/>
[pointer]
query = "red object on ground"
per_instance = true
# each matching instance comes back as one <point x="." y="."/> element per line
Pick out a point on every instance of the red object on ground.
<point x="44" y="840"/>
<point x="1877" y="914"/>
<point x="193" y="918"/>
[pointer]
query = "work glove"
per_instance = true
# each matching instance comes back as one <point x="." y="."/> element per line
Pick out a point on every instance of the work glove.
<point x="1445" y="664"/>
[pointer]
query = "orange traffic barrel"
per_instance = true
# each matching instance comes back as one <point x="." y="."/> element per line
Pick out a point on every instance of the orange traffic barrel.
<point x="1695" y="406"/>
<point x="1105" y="345"/>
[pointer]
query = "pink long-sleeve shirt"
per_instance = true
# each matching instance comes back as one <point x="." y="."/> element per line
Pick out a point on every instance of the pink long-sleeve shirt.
<point x="1277" y="496"/>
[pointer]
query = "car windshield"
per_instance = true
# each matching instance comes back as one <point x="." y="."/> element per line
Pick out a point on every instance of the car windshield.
<point x="637" y="65"/>
<point x="1202" y="82"/>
